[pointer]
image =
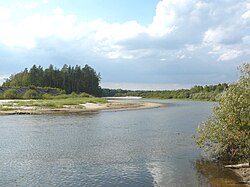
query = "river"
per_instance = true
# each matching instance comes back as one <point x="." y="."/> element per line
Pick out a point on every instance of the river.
<point x="151" y="147"/>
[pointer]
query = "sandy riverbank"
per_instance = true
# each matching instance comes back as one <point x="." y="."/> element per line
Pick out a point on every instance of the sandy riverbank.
<point x="242" y="170"/>
<point x="245" y="174"/>
<point x="114" y="105"/>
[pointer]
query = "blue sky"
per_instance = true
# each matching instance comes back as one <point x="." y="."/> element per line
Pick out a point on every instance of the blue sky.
<point x="134" y="44"/>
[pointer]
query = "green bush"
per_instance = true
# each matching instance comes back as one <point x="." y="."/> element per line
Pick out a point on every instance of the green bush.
<point x="31" y="94"/>
<point x="47" y="96"/>
<point x="61" y="91"/>
<point x="73" y="94"/>
<point x="84" y="95"/>
<point x="226" y="135"/>
<point x="32" y="87"/>
<point x="10" y="94"/>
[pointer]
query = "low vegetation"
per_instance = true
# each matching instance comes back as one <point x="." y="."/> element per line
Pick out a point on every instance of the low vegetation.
<point x="226" y="135"/>
<point x="211" y="93"/>
<point x="50" y="101"/>
<point x="10" y="94"/>
<point x="30" y="92"/>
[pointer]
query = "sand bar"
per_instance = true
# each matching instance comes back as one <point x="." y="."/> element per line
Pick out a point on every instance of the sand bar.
<point x="113" y="105"/>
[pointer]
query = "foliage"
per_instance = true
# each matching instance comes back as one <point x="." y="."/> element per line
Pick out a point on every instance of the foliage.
<point x="69" y="78"/>
<point x="226" y="135"/>
<point x="10" y="94"/>
<point x="31" y="94"/>
<point x="106" y="92"/>
<point x="211" y="92"/>
<point x="84" y="95"/>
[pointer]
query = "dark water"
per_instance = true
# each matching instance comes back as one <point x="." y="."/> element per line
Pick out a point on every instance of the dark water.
<point x="152" y="147"/>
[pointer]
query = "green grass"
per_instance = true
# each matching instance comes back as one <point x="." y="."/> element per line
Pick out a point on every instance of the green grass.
<point x="7" y="109"/>
<point x="57" y="102"/>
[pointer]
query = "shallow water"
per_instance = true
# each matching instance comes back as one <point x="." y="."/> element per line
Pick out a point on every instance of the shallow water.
<point x="152" y="147"/>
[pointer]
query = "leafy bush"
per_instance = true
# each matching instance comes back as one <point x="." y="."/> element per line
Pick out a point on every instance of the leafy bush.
<point x="84" y="95"/>
<point x="73" y="94"/>
<point x="226" y="135"/>
<point x="10" y="94"/>
<point x="31" y="94"/>
<point x="62" y="91"/>
<point x="47" y="96"/>
<point x="32" y="87"/>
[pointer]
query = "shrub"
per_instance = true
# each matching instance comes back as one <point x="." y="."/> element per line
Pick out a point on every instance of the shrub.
<point x="61" y="91"/>
<point x="47" y="96"/>
<point x="226" y="135"/>
<point x="73" y="94"/>
<point x="10" y="94"/>
<point x="84" y="95"/>
<point x="31" y="94"/>
<point x="32" y="87"/>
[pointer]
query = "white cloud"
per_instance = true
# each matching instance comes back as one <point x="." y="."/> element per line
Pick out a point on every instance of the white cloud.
<point x="171" y="15"/>
<point x="246" y="15"/>
<point x="229" y="55"/>
<point x="58" y="11"/>
<point x="25" y="33"/>
<point x="182" y="26"/>
<point x="32" y="5"/>
<point x="4" y="13"/>
<point x="222" y="35"/>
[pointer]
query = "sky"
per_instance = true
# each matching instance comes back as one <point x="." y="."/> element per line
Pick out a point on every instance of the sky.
<point x="134" y="44"/>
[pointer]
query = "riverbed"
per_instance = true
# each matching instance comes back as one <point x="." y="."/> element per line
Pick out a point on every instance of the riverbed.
<point x="151" y="147"/>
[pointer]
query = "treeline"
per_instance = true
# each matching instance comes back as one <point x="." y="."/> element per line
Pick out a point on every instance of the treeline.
<point x="208" y="92"/>
<point x="68" y="78"/>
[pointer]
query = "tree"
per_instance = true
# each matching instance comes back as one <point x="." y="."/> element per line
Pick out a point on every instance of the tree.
<point x="226" y="135"/>
<point x="69" y="78"/>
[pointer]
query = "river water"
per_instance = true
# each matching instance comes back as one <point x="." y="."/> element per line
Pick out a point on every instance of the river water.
<point x="152" y="147"/>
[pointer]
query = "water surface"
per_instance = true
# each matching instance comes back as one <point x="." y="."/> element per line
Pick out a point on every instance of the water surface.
<point x="152" y="147"/>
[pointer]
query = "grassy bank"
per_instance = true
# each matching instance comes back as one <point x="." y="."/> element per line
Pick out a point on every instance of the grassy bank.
<point x="61" y="101"/>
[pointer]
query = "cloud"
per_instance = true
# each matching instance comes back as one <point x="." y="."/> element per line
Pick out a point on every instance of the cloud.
<point x="25" y="33"/>
<point x="4" y="13"/>
<point x="224" y="36"/>
<point x="229" y="55"/>
<point x="186" y="37"/>
<point x="33" y="5"/>
<point x="176" y="24"/>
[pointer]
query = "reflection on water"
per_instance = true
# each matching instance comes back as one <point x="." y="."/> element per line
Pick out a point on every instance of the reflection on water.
<point x="216" y="175"/>
<point x="153" y="147"/>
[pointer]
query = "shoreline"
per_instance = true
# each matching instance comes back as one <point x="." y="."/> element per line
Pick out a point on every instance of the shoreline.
<point x="112" y="106"/>
<point x="243" y="171"/>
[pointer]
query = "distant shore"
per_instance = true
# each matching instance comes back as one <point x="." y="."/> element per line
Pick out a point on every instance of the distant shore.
<point x="113" y="105"/>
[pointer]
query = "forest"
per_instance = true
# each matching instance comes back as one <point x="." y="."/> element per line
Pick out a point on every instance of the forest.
<point x="208" y="92"/>
<point x="85" y="79"/>
<point x="68" y="78"/>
